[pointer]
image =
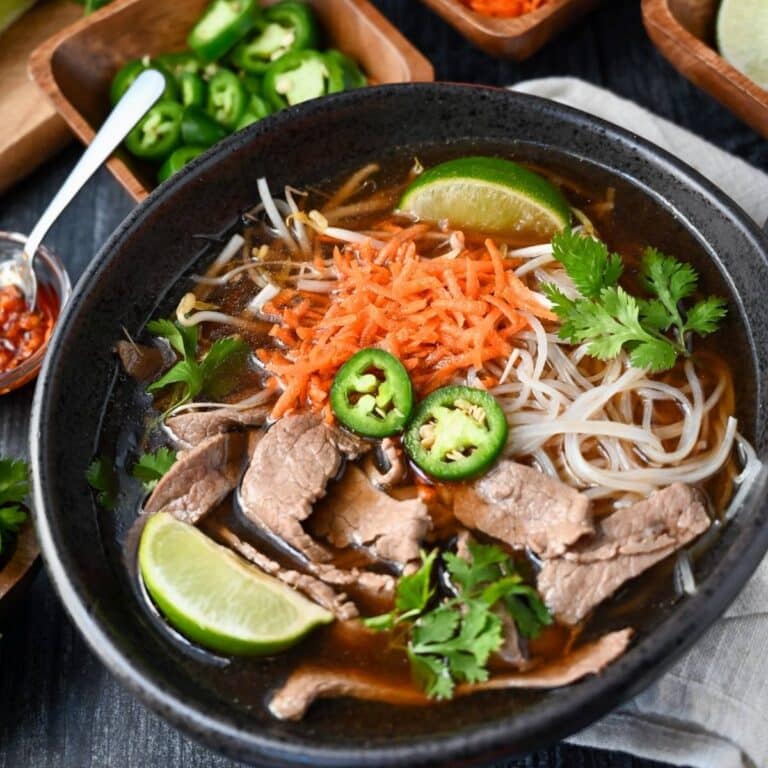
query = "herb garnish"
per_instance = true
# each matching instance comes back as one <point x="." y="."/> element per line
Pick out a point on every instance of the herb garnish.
<point x="152" y="466"/>
<point x="212" y="375"/>
<point x="610" y="319"/>
<point x="101" y="476"/>
<point x="14" y="487"/>
<point x="452" y="642"/>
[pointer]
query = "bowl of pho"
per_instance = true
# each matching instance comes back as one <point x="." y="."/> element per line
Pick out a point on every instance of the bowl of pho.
<point x="418" y="424"/>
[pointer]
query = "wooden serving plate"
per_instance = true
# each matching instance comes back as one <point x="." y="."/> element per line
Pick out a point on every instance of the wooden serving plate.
<point x="15" y="573"/>
<point x="515" y="38"/>
<point x="30" y="131"/>
<point x="684" y="32"/>
<point x="75" y="67"/>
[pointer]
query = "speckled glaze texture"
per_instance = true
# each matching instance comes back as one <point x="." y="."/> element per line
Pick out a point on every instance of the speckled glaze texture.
<point x="156" y="245"/>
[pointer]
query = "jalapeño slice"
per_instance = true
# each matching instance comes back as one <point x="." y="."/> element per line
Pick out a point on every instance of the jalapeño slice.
<point x="372" y="394"/>
<point x="456" y="433"/>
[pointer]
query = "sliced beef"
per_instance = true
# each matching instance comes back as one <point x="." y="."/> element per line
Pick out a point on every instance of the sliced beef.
<point x="289" y="471"/>
<point x="309" y="683"/>
<point x="514" y="650"/>
<point x="200" y="479"/>
<point x="627" y="542"/>
<point x="192" y="427"/>
<point x="524" y="508"/>
<point x="355" y="513"/>
<point x="315" y="589"/>
<point x="386" y="467"/>
<point x="141" y="362"/>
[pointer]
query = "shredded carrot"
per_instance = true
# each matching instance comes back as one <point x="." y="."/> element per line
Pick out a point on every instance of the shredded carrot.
<point x="440" y="316"/>
<point x="504" y="8"/>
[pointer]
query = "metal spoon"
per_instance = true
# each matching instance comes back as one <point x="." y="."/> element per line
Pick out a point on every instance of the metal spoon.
<point x="143" y="93"/>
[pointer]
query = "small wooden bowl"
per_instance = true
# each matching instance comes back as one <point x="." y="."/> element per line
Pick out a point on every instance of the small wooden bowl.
<point x="516" y="38"/>
<point x="684" y="32"/>
<point x="75" y="67"/>
<point x="15" y="574"/>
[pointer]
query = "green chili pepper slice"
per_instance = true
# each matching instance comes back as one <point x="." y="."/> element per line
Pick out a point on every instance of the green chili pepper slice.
<point x="199" y="129"/>
<point x="296" y="77"/>
<point x="192" y="90"/>
<point x="251" y="83"/>
<point x="344" y="74"/>
<point x="177" y="160"/>
<point x="125" y="76"/>
<point x="227" y="99"/>
<point x="456" y="433"/>
<point x="256" y="54"/>
<point x="372" y="394"/>
<point x="224" y="23"/>
<point x="179" y="63"/>
<point x="257" y="110"/>
<point x="298" y="17"/>
<point x="158" y="133"/>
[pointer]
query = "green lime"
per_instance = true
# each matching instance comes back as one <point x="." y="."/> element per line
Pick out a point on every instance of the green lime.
<point x="488" y="195"/>
<point x="742" y="37"/>
<point x="216" y="599"/>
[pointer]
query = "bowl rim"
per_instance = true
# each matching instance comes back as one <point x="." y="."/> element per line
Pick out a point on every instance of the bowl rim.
<point x="585" y="702"/>
<point x="21" y="374"/>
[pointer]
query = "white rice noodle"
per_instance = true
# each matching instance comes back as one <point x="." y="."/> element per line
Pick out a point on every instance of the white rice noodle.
<point x="316" y="286"/>
<point x="685" y="582"/>
<point x="270" y="208"/>
<point x="754" y="470"/>
<point x="534" y="264"/>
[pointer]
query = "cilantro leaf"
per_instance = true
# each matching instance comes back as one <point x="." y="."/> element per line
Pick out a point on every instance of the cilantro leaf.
<point x="152" y="466"/>
<point x="14" y="481"/>
<point x="101" y="476"/>
<point x="587" y="262"/>
<point x="610" y="320"/>
<point x="452" y="642"/>
<point x="704" y="317"/>
<point x="214" y="374"/>
<point x="222" y="364"/>
<point x="14" y="487"/>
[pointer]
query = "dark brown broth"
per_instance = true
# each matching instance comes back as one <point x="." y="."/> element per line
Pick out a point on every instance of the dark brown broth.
<point x="339" y="645"/>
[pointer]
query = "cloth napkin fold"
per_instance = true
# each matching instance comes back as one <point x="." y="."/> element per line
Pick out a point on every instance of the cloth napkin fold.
<point x="711" y="709"/>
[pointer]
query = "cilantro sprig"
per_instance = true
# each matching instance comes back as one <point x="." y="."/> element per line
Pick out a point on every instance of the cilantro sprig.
<point x="101" y="476"/>
<point x="450" y="642"/>
<point x="213" y="375"/>
<point x="610" y="319"/>
<point x="152" y="466"/>
<point x="14" y="487"/>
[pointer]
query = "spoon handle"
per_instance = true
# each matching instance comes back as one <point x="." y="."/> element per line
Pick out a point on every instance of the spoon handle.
<point x="143" y="93"/>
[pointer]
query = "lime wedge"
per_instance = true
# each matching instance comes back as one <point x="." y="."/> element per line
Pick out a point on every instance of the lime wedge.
<point x="742" y="37"/>
<point x="488" y="195"/>
<point x="216" y="599"/>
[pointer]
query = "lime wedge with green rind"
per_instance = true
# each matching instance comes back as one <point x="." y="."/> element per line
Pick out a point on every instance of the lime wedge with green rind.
<point x="216" y="599"/>
<point x="488" y="195"/>
<point x="742" y="37"/>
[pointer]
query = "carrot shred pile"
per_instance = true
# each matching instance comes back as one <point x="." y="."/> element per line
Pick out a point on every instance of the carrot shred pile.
<point x="504" y="8"/>
<point x="440" y="316"/>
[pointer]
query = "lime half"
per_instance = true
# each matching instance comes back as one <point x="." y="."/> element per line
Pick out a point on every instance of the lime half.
<point x="742" y="37"/>
<point x="488" y="195"/>
<point x="216" y="599"/>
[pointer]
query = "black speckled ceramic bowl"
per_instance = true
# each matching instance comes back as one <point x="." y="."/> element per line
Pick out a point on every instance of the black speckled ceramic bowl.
<point x="662" y="200"/>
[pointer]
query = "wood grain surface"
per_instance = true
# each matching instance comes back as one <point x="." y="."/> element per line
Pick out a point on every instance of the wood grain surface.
<point x="30" y="129"/>
<point x="59" y="708"/>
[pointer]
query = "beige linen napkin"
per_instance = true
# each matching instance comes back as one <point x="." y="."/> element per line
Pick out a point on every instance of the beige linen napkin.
<point x="711" y="709"/>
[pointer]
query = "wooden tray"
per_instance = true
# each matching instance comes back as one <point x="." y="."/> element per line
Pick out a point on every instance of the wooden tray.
<point x="75" y="67"/>
<point x="512" y="38"/>
<point x="31" y="131"/>
<point x="683" y="30"/>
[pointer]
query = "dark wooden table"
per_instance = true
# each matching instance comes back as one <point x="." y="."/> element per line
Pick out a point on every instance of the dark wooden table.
<point x="58" y="705"/>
